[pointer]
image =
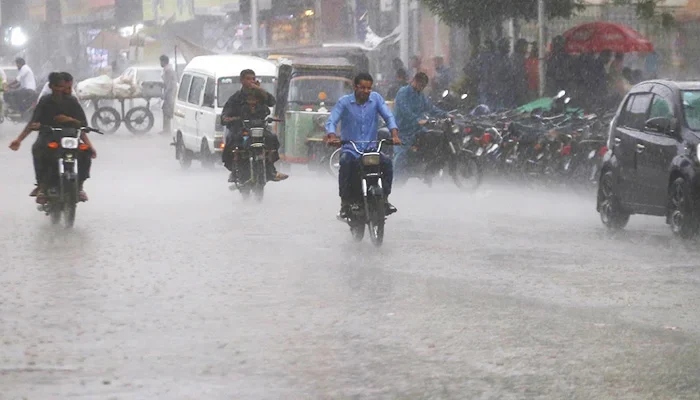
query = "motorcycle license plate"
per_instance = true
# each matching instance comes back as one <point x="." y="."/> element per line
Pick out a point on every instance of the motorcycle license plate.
<point x="480" y="151"/>
<point x="260" y="157"/>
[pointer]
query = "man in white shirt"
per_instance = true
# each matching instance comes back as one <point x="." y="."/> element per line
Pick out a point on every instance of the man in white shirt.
<point x="23" y="95"/>
<point x="3" y="82"/>
<point x="25" y="76"/>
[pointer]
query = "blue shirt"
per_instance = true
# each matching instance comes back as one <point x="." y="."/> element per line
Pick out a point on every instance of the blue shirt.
<point x="359" y="122"/>
<point x="411" y="106"/>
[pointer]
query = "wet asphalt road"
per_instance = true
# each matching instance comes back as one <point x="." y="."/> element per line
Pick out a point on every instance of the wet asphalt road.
<point x="171" y="287"/>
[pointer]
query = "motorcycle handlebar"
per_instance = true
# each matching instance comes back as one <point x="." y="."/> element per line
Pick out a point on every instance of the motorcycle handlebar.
<point x="268" y="120"/>
<point x="89" y="129"/>
<point x="382" y="141"/>
<point x="86" y="129"/>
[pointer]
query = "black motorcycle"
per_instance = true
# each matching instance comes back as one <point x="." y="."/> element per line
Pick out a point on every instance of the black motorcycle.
<point x="65" y="149"/>
<point x="440" y="149"/>
<point x="369" y="204"/>
<point x="449" y="101"/>
<point x="250" y="159"/>
<point x="18" y="116"/>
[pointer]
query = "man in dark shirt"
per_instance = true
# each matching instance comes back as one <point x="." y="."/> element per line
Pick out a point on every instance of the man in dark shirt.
<point x="232" y="117"/>
<point x="55" y="110"/>
<point x="401" y="81"/>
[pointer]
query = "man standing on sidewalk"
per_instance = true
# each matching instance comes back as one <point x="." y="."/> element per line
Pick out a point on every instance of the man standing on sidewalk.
<point x="169" y="93"/>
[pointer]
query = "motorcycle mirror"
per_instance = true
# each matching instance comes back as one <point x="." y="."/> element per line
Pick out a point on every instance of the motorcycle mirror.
<point x="445" y="93"/>
<point x="464" y="96"/>
<point x="561" y="94"/>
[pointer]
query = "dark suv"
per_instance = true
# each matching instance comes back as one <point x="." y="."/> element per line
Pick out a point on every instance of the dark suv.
<point x="652" y="165"/>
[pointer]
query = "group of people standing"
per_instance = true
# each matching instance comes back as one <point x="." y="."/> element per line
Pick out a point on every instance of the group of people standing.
<point x="503" y="79"/>
<point x="403" y="76"/>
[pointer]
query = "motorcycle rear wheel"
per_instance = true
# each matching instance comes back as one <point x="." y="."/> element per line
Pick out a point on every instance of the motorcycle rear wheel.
<point x="245" y="193"/>
<point x="259" y="192"/>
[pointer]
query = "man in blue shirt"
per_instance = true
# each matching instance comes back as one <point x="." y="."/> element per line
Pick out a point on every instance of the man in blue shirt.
<point x="411" y="106"/>
<point x="358" y="115"/>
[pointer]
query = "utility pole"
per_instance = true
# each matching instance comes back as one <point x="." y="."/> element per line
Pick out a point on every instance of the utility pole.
<point x="541" y="18"/>
<point x="318" y="21"/>
<point x="403" y="22"/>
<point x="254" y="26"/>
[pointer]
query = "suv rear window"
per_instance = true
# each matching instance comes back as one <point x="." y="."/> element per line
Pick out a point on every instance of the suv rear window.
<point x="691" y="109"/>
<point x="634" y="115"/>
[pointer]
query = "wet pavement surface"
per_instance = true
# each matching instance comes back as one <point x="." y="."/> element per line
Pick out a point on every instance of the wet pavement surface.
<point x="172" y="287"/>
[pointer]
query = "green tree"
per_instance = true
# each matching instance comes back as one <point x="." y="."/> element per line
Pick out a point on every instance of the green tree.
<point x="475" y="14"/>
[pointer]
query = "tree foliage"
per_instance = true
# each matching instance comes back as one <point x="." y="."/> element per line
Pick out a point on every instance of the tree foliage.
<point x="464" y="12"/>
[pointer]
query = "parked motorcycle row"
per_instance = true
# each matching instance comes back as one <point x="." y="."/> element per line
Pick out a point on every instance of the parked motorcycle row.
<point x="545" y="142"/>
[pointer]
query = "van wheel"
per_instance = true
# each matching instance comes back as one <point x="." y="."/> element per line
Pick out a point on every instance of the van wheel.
<point x="681" y="214"/>
<point x="611" y="213"/>
<point x="182" y="154"/>
<point x="205" y="155"/>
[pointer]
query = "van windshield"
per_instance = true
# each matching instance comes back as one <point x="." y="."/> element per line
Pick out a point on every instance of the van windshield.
<point x="229" y="85"/>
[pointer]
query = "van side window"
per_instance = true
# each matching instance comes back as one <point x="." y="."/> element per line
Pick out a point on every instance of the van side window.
<point x="196" y="90"/>
<point x="209" y="97"/>
<point x="635" y="112"/>
<point x="184" y="87"/>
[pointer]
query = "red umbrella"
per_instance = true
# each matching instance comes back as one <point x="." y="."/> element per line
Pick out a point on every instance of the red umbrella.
<point x="595" y="37"/>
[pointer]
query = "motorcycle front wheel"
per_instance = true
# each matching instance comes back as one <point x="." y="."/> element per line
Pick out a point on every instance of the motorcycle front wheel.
<point x="70" y="202"/>
<point x="260" y="180"/>
<point x="358" y="231"/>
<point x="55" y="214"/>
<point x="377" y="218"/>
<point x="466" y="173"/>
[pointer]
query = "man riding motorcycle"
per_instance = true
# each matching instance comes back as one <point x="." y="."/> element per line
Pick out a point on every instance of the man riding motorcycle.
<point x="254" y="110"/>
<point x="232" y="117"/>
<point x="410" y="108"/>
<point x="358" y="115"/>
<point x="59" y="109"/>
<point x="22" y="89"/>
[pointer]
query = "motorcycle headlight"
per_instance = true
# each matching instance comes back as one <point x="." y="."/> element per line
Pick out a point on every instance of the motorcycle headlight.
<point x="370" y="160"/>
<point x="69" y="143"/>
<point x="455" y="129"/>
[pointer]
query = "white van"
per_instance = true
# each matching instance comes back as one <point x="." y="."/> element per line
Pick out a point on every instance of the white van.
<point x="206" y="84"/>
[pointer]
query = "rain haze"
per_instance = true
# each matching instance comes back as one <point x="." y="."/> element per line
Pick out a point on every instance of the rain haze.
<point x="495" y="279"/>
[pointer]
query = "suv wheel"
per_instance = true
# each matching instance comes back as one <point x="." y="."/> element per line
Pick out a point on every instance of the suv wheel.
<point x="681" y="216"/>
<point x="613" y="216"/>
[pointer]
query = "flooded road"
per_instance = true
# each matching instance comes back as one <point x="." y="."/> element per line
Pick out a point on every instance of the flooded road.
<point x="171" y="287"/>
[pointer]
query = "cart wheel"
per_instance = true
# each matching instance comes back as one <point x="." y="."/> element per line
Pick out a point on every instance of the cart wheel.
<point x="106" y="119"/>
<point x="139" y="120"/>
